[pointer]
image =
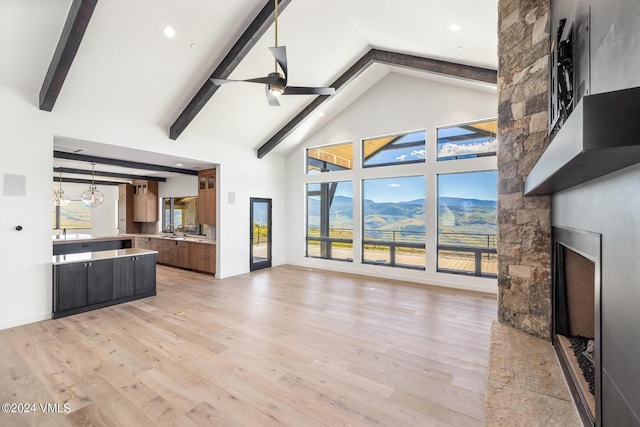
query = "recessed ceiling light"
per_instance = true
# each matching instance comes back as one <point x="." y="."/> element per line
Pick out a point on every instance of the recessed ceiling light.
<point x="136" y="172"/>
<point x="459" y="47"/>
<point x="179" y="164"/>
<point x="193" y="45"/>
<point x="455" y="27"/>
<point x="321" y="113"/>
<point x="169" y="32"/>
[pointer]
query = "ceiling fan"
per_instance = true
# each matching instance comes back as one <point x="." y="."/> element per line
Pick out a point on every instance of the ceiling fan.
<point x="276" y="82"/>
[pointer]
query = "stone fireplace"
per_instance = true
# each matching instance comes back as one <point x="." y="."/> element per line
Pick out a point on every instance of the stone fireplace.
<point x="588" y="181"/>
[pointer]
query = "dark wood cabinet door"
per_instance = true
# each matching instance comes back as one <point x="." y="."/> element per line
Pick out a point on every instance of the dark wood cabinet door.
<point x="123" y="277"/>
<point x="100" y="282"/>
<point x="145" y="274"/>
<point x="72" y="286"/>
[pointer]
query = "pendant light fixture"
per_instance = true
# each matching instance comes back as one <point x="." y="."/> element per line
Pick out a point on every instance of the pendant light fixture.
<point x="92" y="197"/>
<point x="59" y="198"/>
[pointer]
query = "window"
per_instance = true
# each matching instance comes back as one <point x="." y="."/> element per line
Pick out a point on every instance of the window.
<point x="467" y="210"/>
<point x="393" y="150"/>
<point x="394" y="221"/>
<point x="330" y="220"/>
<point x="180" y="215"/>
<point x="76" y="215"/>
<point x="467" y="140"/>
<point x="330" y="158"/>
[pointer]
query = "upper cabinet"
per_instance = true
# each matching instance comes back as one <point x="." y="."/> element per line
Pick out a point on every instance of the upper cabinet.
<point x="145" y="201"/>
<point x="126" y="223"/>
<point x="207" y="196"/>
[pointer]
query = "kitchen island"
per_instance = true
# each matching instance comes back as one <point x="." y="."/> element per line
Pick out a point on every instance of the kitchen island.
<point x="91" y="280"/>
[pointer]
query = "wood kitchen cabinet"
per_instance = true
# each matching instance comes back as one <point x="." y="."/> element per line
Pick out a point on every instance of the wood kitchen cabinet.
<point x="181" y="253"/>
<point x="183" y="249"/>
<point x="145" y="201"/>
<point x="126" y="223"/>
<point x="168" y="253"/>
<point x="207" y="196"/>
<point x="203" y="257"/>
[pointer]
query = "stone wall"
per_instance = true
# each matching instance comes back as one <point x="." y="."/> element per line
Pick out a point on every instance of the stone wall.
<point x="524" y="248"/>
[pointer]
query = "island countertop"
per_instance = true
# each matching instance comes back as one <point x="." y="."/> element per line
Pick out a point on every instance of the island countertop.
<point x="99" y="255"/>
<point x="71" y="238"/>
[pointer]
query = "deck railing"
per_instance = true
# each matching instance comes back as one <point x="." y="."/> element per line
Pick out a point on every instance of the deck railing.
<point x="468" y="253"/>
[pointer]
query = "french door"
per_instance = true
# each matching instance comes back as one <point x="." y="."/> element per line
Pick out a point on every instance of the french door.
<point x="260" y="234"/>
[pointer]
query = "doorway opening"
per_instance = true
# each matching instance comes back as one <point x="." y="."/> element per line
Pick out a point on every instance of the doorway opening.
<point x="260" y="234"/>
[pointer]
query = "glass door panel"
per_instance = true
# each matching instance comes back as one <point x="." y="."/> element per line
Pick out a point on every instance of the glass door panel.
<point x="260" y="233"/>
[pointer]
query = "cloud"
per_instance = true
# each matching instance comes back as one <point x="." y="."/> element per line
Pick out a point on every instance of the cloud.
<point x="395" y="185"/>
<point x="452" y="150"/>
<point x="414" y="155"/>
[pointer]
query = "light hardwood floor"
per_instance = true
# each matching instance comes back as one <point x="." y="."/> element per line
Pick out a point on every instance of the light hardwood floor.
<point x="281" y="346"/>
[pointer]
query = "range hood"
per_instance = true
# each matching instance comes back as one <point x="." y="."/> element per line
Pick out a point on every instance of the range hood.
<point x="601" y="135"/>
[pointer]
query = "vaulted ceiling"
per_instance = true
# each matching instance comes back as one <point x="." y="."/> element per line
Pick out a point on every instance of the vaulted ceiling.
<point x="125" y="64"/>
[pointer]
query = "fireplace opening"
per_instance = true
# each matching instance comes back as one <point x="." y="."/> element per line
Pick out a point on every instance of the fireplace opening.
<point x="576" y="316"/>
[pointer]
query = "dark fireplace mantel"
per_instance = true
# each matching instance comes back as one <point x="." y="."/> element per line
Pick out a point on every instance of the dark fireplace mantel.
<point x="601" y="135"/>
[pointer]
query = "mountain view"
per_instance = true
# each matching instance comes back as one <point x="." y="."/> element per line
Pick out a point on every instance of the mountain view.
<point x="455" y="215"/>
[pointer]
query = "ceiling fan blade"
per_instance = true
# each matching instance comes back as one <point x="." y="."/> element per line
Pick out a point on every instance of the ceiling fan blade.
<point x="302" y="90"/>
<point x="280" y="54"/>
<point x="262" y="80"/>
<point x="271" y="98"/>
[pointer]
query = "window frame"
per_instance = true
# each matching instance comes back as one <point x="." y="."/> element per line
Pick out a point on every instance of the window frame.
<point x="397" y="136"/>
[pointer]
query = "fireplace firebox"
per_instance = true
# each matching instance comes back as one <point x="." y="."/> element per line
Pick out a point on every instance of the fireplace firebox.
<point x="576" y="316"/>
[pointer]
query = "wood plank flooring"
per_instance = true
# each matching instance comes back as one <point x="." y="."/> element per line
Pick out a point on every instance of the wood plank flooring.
<point x="281" y="346"/>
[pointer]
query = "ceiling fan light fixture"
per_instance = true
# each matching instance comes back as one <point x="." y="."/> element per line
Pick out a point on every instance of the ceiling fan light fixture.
<point x="276" y="90"/>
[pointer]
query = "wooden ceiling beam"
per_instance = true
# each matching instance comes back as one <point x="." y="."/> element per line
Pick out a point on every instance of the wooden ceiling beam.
<point x="122" y="163"/>
<point x="418" y="63"/>
<point x="108" y="174"/>
<point x="66" y="50"/>
<point x="240" y="49"/>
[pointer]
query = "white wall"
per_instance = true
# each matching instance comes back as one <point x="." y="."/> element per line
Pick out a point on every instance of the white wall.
<point x="396" y="104"/>
<point x="25" y="256"/>
<point x="27" y="142"/>
<point x="103" y="216"/>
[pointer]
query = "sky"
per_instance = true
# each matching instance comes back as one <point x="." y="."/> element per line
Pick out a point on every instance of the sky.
<point x="473" y="185"/>
<point x="395" y="189"/>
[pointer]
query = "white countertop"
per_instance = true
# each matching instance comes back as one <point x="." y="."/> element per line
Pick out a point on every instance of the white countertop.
<point x="71" y="236"/>
<point x="99" y="255"/>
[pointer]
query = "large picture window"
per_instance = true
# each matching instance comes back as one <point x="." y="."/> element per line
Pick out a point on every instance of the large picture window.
<point x="467" y="225"/>
<point x="394" y="150"/>
<point x="330" y="220"/>
<point x="468" y="140"/>
<point x="394" y="221"/>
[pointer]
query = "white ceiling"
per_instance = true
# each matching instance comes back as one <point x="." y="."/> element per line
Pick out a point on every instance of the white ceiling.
<point x="126" y="65"/>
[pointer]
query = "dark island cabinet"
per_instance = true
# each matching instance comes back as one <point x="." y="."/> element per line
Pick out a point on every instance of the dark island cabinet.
<point x="72" y="282"/>
<point x="100" y="281"/>
<point x="145" y="275"/>
<point x="89" y="285"/>
<point x="124" y="270"/>
<point x="134" y="275"/>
